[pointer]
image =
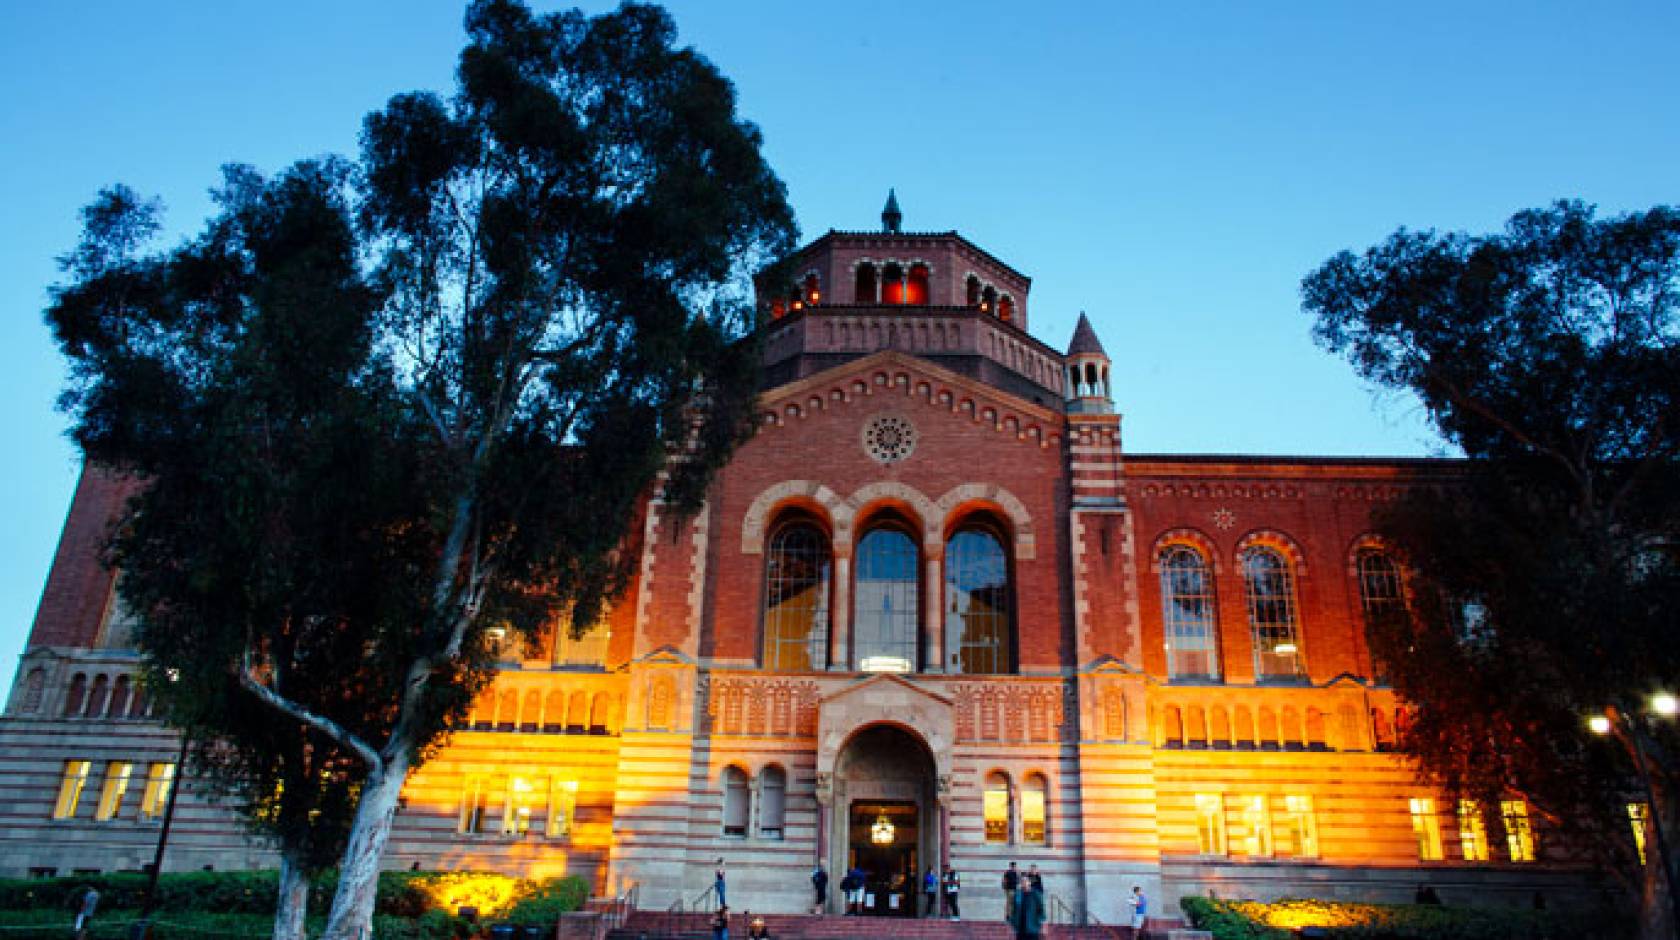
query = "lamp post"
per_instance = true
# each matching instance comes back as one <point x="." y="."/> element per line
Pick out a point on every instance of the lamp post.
<point x="1628" y="729"/>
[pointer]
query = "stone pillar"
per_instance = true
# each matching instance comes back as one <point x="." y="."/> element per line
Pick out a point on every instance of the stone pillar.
<point x="840" y="643"/>
<point x="933" y="616"/>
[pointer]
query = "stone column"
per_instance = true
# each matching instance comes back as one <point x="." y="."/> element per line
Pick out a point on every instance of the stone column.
<point x="933" y="616"/>
<point x="840" y="643"/>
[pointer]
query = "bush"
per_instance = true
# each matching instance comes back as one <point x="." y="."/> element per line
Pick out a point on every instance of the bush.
<point x="545" y="901"/>
<point x="1252" y="920"/>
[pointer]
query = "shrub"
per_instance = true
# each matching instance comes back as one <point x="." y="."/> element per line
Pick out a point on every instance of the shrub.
<point x="1252" y="920"/>
<point x="545" y="901"/>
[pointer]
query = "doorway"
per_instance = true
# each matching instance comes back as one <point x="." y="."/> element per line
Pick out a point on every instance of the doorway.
<point x="885" y="817"/>
<point x="882" y="842"/>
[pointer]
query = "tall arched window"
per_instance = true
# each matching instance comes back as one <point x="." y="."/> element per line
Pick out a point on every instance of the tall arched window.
<point x="988" y="300"/>
<point x="887" y="600"/>
<point x="772" y="801"/>
<point x="1271" y="614"/>
<point x="1189" y="615"/>
<point x="977" y="601"/>
<point x="1006" y="309"/>
<point x="863" y="291"/>
<point x="811" y="290"/>
<point x="995" y="808"/>
<point x="971" y="291"/>
<point x="1381" y="595"/>
<point x="796" y="585"/>
<point x="1033" y="802"/>
<point x="916" y="287"/>
<point x="736" y="801"/>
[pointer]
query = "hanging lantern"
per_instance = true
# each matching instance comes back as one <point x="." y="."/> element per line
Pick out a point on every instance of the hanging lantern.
<point x="882" y="832"/>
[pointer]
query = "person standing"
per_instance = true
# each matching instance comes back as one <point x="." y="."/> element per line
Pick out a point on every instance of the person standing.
<point x="720" y="923"/>
<point x="717" y="884"/>
<point x="854" y="892"/>
<point x="1011" y="884"/>
<point x="953" y="887"/>
<point x="1140" y="907"/>
<point x="1028" y="919"/>
<point x="819" y="884"/>
<point x="930" y="889"/>
<point x="84" y="912"/>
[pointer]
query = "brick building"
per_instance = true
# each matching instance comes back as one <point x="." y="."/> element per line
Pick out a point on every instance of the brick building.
<point x="933" y="611"/>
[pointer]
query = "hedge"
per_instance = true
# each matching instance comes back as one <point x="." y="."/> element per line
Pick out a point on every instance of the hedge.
<point x="1253" y="920"/>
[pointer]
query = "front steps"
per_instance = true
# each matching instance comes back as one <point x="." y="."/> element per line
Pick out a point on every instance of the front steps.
<point x="657" y="925"/>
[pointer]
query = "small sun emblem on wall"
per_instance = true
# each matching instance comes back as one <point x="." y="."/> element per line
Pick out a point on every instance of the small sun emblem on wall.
<point x="1224" y="518"/>
<point x="889" y="439"/>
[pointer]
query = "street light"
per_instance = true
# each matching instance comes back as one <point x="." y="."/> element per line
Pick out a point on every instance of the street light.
<point x="1629" y="730"/>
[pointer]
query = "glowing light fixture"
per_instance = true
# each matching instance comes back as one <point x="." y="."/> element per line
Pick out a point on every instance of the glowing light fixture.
<point x="882" y="832"/>
<point x="1664" y="703"/>
<point x="1285" y="649"/>
<point x="1599" y="724"/>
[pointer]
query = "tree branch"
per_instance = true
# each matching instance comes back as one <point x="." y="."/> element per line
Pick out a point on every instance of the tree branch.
<point x="326" y="726"/>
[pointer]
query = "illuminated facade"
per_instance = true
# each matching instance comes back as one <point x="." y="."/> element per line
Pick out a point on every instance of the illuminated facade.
<point x="933" y="611"/>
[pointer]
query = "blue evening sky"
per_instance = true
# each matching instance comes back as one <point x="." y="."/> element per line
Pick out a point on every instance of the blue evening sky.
<point x="1174" y="169"/>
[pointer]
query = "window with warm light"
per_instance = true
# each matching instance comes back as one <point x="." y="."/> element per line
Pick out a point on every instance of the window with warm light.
<point x="977" y="600"/>
<point x="1639" y="816"/>
<point x="1210" y="824"/>
<point x="154" y="799"/>
<point x="737" y="802"/>
<point x="70" y="788"/>
<point x="475" y="804"/>
<point x="1381" y="595"/>
<point x="1032" y="810"/>
<point x="519" y="806"/>
<point x="1270" y="586"/>
<point x="112" y="793"/>
<point x="1256" y="839"/>
<point x="1472" y="831"/>
<point x="1427" y="827"/>
<point x="796" y="593"/>
<point x="1519" y="832"/>
<point x="1188" y="615"/>
<point x="588" y="648"/>
<point x="562" y="807"/>
<point x="995" y="805"/>
<point x="1297" y="828"/>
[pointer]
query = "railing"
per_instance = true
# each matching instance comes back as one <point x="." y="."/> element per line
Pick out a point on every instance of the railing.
<point x="1061" y="913"/>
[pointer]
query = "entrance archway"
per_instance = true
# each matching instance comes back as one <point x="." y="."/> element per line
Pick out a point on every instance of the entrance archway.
<point x="885" y="817"/>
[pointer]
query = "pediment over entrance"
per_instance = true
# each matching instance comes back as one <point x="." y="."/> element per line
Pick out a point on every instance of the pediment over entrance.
<point x="885" y="700"/>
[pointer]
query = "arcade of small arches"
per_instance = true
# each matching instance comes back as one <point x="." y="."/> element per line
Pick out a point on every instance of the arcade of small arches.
<point x="101" y="696"/>
<point x="896" y="283"/>
<point x="1269" y="564"/>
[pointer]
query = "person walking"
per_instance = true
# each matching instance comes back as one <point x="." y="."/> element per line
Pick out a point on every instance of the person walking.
<point x="1028" y="916"/>
<point x="953" y="888"/>
<point x="1140" y="907"/>
<point x="718" y="885"/>
<point x="930" y="890"/>
<point x="819" y="884"/>
<point x="854" y="892"/>
<point x="85" y="910"/>
<point x="1011" y="884"/>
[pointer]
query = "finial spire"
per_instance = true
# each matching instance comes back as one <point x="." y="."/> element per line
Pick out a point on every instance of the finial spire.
<point x="1085" y="340"/>
<point x="891" y="218"/>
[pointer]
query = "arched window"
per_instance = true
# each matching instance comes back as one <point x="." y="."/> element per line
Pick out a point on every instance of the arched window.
<point x="887" y="600"/>
<point x="971" y="291"/>
<point x="1381" y="595"/>
<point x="796" y="586"/>
<point x="863" y="289"/>
<point x="988" y="300"/>
<point x="736" y="801"/>
<point x="1189" y="615"/>
<point x="916" y="288"/>
<point x="1271" y="614"/>
<point x="772" y="801"/>
<point x="96" y="699"/>
<point x="76" y="699"/>
<point x="1006" y="309"/>
<point x="996" y="807"/>
<point x="812" y="289"/>
<point x="1033" y="802"/>
<point x="119" y="697"/>
<point x="977" y="601"/>
<point x="600" y="713"/>
<point x="892" y="284"/>
<point x="34" y="689"/>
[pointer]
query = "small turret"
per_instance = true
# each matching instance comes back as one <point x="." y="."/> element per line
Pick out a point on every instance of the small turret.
<point x="1088" y="391"/>
<point x="891" y="219"/>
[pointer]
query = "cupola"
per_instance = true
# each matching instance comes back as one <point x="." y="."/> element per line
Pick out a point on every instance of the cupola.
<point x="1088" y="390"/>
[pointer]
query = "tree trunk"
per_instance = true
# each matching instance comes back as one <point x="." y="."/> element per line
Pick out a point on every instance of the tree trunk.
<point x="358" y="874"/>
<point x="292" y="906"/>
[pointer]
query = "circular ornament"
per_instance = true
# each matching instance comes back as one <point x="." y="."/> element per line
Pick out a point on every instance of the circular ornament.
<point x="889" y="439"/>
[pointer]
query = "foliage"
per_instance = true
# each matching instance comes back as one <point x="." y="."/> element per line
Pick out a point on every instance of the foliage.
<point x="1545" y="575"/>
<point x="387" y="412"/>
<point x="544" y="903"/>
<point x="1253" y="920"/>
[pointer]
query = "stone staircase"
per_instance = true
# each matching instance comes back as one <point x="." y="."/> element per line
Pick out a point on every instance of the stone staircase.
<point x="659" y="925"/>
